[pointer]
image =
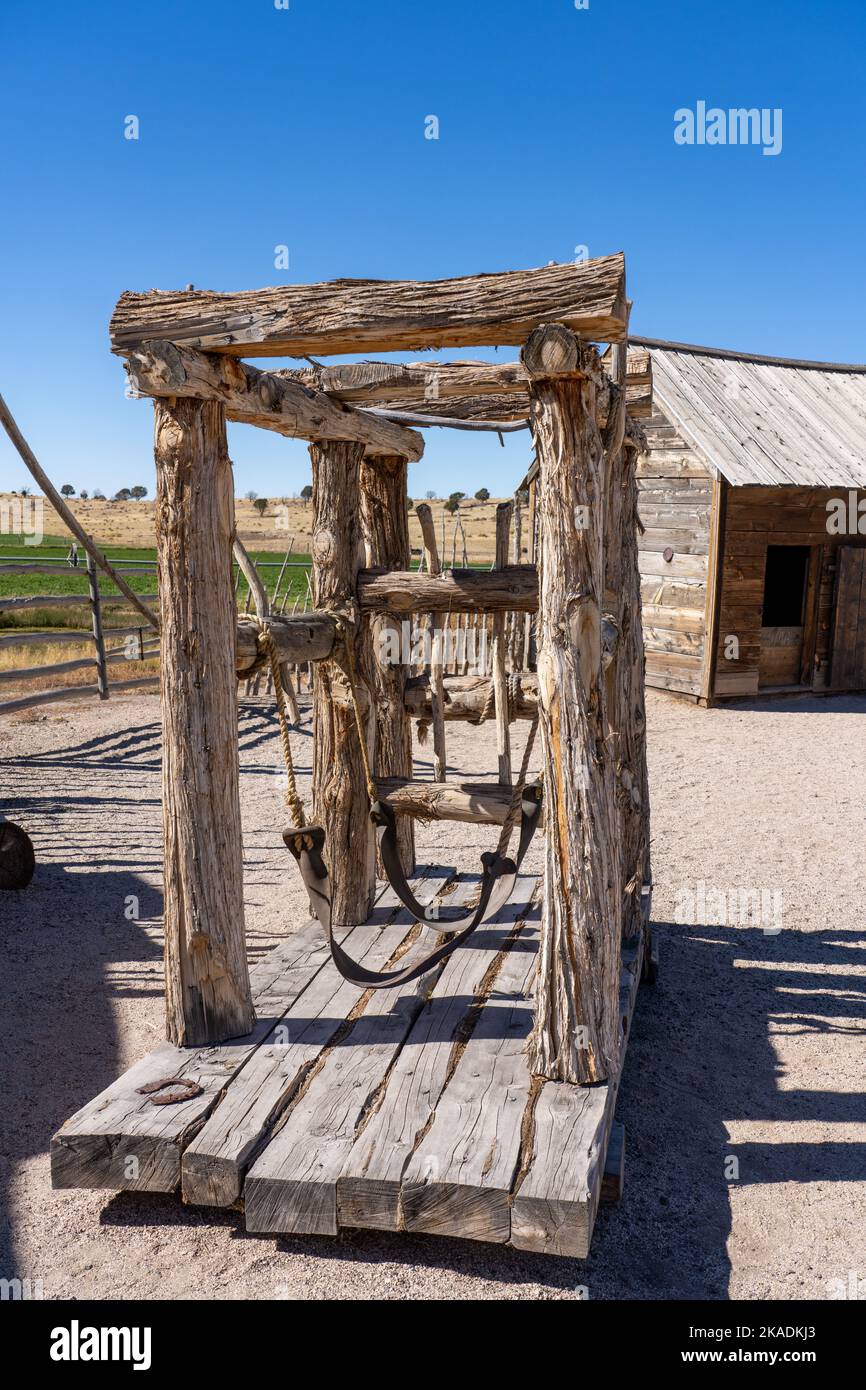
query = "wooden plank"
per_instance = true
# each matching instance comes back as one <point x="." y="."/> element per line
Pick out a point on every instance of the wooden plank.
<point x="349" y="316"/>
<point x="459" y="1179"/>
<point x="292" y="1186"/>
<point x="555" y="1203"/>
<point x="368" y="1190"/>
<point x="119" y="1140"/>
<point x="215" y="1163"/>
<point x="260" y="398"/>
<point x="514" y="588"/>
<point x="93" y="1147"/>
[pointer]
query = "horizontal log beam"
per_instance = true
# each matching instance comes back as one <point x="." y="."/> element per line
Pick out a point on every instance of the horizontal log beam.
<point x="298" y="638"/>
<point x="466" y="697"/>
<point x="513" y="589"/>
<point x="252" y="397"/>
<point x="480" y="803"/>
<point x="487" y="391"/>
<point x="346" y="316"/>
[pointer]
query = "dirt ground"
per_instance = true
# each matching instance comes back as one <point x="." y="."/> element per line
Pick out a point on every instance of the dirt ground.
<point x="743" y="1094"/>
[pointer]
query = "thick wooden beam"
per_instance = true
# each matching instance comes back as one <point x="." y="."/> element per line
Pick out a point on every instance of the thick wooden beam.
<point x="482" y="391"/>
<point x="340" y="802"/>
<point x="159" y="368"/>
<point x="479" y="803"/>
<point x="346" y="316"/>
<point x="385" y="533"/>
<point x="298" y="637"/>
<point x="576" y="1036"/>
<point x="465" y="697"/>
<point x="455" y="591"/>
<point x="207" y="983"/>
<point x="436" y="622"/>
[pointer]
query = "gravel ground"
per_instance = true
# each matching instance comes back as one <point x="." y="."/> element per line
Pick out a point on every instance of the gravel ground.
<point x="743" y="1089"/>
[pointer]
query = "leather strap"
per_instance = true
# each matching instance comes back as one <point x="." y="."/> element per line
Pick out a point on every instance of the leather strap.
<point x="499" y="875"/>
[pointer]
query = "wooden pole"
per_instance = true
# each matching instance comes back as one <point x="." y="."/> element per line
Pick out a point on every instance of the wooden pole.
<point x="437" y="621"/>
<point x="385" y="531"/>
<point x="96" y="620"/>
<point x="340" y="803"/>
<point x="206" y="977"/>
<point x="577" y="1032"/>
<point x="57" y="502"/>
<point x="500" y="676"/>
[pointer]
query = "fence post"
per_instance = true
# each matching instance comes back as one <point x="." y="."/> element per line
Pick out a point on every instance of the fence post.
<point x="98" y="638"/>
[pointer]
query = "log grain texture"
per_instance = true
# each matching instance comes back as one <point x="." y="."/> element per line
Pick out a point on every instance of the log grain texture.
<point x="346" y="316"/>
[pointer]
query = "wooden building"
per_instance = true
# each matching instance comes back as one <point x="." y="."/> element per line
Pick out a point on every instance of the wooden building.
<point x="753" y="508"/>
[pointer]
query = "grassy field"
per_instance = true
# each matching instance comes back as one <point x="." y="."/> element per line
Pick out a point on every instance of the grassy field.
<point x="129" y="526"/>
<point x="74" y="581"/>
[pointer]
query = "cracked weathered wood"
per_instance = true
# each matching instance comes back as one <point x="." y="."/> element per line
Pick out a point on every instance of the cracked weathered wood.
<point x="461" y="390"/>
<point x="368" y="1189"/>
<point x="478" y="803"/>
<point x="261" y="398"/>
<point x="215" y="1162"/>
<point x="576" y="1029"/>
<point x="459" y="1179"/>
<point x="348" y="316"/>
<point x="207" y="985"/>
<point x="340" y="801"/>
<point x="465" y="697"/>
<point x="436" y="623"/>
<point x="499" y="654"/>
<point x="120" y="1141"/>
<point x="292" y="1186"/>
<point x="385" y="533"/>
<point x="454" y="591"/>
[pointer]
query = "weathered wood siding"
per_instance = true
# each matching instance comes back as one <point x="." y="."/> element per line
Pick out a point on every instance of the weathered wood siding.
<point x="675" y="500"/>
<point x="755" y="518"/>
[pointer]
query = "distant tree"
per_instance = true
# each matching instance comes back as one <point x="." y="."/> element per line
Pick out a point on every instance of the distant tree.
<point x="83" y="494"/>
<point x="124" y="495"/>
<point x="482" y="495"/>
<point x="307" y="493"/>
<point x="68" y="490"/>
<point x="409" y="503"/>
<point x="251" y="496"/>
<point x="138" y="492"/>
<point x="453" y="503"/>
<point x="430" y="495"/>
<point x="261" y="505"/>
<point x="98" y="496"/>
<point x="25" y="492"/>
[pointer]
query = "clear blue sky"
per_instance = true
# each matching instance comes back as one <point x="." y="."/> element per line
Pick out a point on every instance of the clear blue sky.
<point x="305" y="126"/>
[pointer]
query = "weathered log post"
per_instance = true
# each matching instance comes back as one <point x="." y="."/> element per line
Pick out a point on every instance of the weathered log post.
<point x="385" y="531"/>
<point x="625" y="673"/>
<point x="577" y="1033"/>
<point x="340" y="801"/>
<point x="207" y="983"/>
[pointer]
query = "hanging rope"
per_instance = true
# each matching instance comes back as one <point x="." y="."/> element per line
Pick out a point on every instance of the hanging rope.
<point x="265" y="643"/>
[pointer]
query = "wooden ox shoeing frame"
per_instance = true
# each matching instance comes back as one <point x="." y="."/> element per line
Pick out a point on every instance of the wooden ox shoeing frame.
<point x="184" y="350"/>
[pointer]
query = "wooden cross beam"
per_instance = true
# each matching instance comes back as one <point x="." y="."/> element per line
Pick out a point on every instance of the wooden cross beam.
<point x="159" y="368"/>
<point x="488" y="391"/>
<point x="345" y="316"/>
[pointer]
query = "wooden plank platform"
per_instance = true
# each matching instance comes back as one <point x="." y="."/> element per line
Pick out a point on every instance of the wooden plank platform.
<point x="401" y="1109"/>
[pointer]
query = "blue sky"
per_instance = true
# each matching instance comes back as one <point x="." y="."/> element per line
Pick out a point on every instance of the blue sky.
<point x="305" y="127"/>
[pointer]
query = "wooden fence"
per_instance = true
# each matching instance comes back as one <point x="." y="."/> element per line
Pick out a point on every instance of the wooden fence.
<point x="137" y="644"/>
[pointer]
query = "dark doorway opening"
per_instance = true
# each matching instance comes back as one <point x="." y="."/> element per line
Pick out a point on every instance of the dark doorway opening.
<point x="785" y="585"/>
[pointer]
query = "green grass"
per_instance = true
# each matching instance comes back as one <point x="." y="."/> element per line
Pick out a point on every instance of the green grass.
<point x="69" y="581"/>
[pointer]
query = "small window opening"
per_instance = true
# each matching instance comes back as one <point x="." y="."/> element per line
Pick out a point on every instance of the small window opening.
<point x="785" y="585"/>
